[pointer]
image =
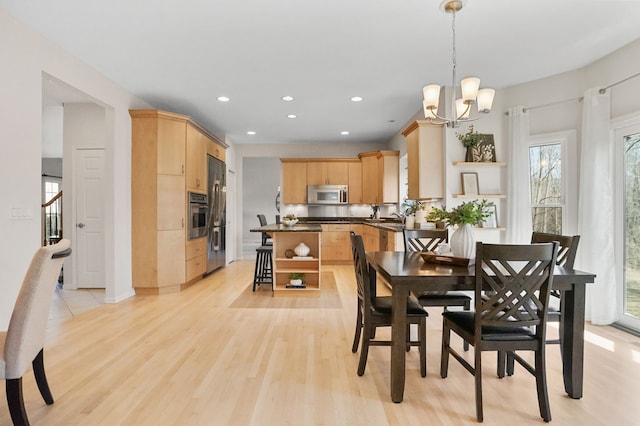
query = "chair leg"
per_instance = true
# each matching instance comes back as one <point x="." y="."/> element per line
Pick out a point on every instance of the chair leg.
<point x="422" y="335"/>
<point x="510" y="364"/>
<point x="16" y="402"/>
<point x="356" y="337"/>
<point x="541" y="385"/>
<point x="41" y="378"/>
<point x="364" y="349"/>
<point x="501" y="366"/>
<point x="444" y="354"/>
<point x="256" y="271"/>
<point x="467" y="307"/>
<point x="477" y="373"/>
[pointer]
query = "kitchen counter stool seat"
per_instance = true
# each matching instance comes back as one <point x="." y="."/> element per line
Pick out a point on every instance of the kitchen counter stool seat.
<point x="263" y="273"/>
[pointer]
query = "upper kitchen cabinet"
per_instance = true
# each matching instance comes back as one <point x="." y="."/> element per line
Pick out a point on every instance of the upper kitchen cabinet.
<point x="355" y="182"/>
<point x="327" y="172"/>
<point x="196" y="176"/>
<point x="425" y="160"/>
<point x="380" y="176"/>
<point x="294" y="181"/>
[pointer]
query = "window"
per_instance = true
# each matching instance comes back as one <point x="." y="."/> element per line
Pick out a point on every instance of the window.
<point x="627" y="235"/>
<point x="553" y="184"/>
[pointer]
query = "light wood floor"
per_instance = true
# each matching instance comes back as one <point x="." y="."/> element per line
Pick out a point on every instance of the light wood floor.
<point x="192" y="359"/>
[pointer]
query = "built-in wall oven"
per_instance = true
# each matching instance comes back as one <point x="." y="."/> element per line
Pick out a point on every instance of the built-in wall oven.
<point x="198" y="212"/>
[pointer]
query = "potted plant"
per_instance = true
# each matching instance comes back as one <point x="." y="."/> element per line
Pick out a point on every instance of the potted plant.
<point x="296" y="278"/>
<point x="469" y="140"/>
<point x="464" y="216"/>
<point x="410" y="209"/>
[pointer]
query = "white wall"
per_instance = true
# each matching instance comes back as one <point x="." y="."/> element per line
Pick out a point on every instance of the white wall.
<point x="25" y="57"/>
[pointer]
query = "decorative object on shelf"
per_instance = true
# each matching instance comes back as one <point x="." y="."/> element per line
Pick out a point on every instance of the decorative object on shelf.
<point x="288" y="253"/>
<point x="290" y="220"/>
<point x="469" y="140"/>
<point x="485" y="150"/>
<point x="492" y="220"/>
<point x="460" y="108"/>
<point x="302" y="250"/>
<point x="465" y="216"/>
<point x="470" y="183"/>
<point x="295" y="279"/>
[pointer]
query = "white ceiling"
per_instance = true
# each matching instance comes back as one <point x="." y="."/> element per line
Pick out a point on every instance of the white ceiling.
<point x="182" y="55"/>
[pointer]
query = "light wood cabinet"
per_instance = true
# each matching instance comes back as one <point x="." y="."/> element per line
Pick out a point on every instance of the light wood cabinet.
<point x="380" y="177"/>
<point x="334" y="172"/>
<point x="196" y="159"/>
<point x="336" y="244"/>
<point x="371" y="238"/>
<point x="355" y="182"/>
<point x="425" y="160"/>
<point x="168" y="154"/>
<point x="283" y="266"/>
<point x="294" y="181"/>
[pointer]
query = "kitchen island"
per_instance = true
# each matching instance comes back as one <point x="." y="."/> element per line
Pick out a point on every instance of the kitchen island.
<point x="287" y="262"/>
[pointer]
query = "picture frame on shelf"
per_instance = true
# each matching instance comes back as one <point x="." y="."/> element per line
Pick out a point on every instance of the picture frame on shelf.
<point x="470" y="183"/>
<point x="485" y="150"/>
<point x="491" y="221"/>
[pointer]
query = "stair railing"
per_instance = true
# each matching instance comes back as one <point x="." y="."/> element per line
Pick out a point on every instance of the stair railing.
<point x="52" y="220"/>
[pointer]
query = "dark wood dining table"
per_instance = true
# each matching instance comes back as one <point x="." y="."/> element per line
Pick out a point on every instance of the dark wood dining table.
<point x="407" y="272"/>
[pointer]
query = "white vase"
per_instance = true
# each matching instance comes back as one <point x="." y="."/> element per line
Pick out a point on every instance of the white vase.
<point x="302" y="249"/>
<point x="409" y="222"/>
<point x="463" y="242"/>
<point x="420" y="216"/>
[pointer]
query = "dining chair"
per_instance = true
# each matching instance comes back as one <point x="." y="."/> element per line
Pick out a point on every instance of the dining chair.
<point x="374" y="312"/>
<point x="429" y="240"/>
<point x="566" y="256"/>
<point x="266" y="238"/>
<point x="22" y="344"/>
<point x="514" y="316"/>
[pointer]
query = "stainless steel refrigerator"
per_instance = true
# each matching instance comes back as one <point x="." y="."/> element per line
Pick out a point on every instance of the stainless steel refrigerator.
<point x="217" y="218"/>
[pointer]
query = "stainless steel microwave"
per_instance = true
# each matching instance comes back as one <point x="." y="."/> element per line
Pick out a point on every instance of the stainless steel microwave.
<point x="327" y="194"/>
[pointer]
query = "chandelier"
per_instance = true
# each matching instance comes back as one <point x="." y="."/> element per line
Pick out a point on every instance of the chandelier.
<point x="469" y="87"/>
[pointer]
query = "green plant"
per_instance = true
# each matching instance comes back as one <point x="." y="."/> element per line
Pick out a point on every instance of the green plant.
<point x="471" y="212"/>
<point x="296" y="276"/>
<point x="469" y="139"/>
<point x="412" y="206"/>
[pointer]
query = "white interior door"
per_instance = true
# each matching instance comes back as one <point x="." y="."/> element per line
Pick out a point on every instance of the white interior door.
<point x="89" y="215"/>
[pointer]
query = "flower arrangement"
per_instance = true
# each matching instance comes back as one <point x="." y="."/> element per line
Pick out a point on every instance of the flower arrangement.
<point x="412" y="206"/>
<point x="471" y="212"/>
<point x="469" y="139"/>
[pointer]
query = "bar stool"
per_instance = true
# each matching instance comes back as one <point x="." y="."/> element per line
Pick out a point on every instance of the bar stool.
<point x="264" y="268"/>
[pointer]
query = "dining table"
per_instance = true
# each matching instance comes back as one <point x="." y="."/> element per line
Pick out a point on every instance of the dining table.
<point x="407" y="272"/>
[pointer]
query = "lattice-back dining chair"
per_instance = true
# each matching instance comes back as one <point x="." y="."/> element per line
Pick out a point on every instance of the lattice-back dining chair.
<point x="513" y="317"/>
<point x="429" y="240"/>
<point x="567" y="250"/>
<point x="22" y="343"/>
<point x="266" y="238"/>
<point x="374" y="311"/>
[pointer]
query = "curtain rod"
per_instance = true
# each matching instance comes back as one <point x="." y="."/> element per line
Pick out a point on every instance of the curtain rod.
<point x="601" y="91"/>
<point x="604" y="89"/>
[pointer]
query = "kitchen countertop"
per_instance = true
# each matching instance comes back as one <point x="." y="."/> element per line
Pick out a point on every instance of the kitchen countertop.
<point x="281" y="227"/>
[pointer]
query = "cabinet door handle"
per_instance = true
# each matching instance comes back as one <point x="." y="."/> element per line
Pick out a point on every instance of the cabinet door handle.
<point x="183" y="223"/>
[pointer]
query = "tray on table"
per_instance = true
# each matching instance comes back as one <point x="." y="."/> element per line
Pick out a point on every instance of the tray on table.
<point x="446" y="259"/>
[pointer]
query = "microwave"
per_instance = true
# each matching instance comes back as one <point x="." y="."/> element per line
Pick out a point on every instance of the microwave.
<point x="327" y="194"/>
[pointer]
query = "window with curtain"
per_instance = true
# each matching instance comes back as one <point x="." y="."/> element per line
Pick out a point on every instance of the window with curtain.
<point x="553" y="184"/>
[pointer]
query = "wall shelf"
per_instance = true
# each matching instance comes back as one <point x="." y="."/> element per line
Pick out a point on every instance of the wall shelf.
<point x="476" y="196"/>
<point x="479" y="163"/>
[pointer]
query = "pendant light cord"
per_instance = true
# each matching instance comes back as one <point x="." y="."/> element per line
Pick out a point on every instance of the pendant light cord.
<point x="453" y="72"/>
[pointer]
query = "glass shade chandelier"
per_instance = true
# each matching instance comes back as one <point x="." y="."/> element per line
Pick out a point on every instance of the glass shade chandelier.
<point x="469" y="87"/>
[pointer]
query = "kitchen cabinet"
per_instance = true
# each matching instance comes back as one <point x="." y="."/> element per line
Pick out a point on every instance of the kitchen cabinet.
<point x="284" y="266"/>
<point x="425" y="160"/>
<point x="336" y="244"/>
<point x="196" y="168"/>
<point x="380" y="177"/>
<point x="294" y="181"/>
<point x="371" y="238"/>
<point x="332" y="172"/>
<point x="168" y="158"/>
<point x="355" y="182"/>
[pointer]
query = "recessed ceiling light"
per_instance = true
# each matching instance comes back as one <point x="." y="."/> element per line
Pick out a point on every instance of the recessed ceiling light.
<point x="251" y="132"/>
<point x="344" y="132"/>
<point x="356" y="98"/>
<point x="223" y="99"/>
<point x="287" y="98"/>
<point x="291" y="116"/>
